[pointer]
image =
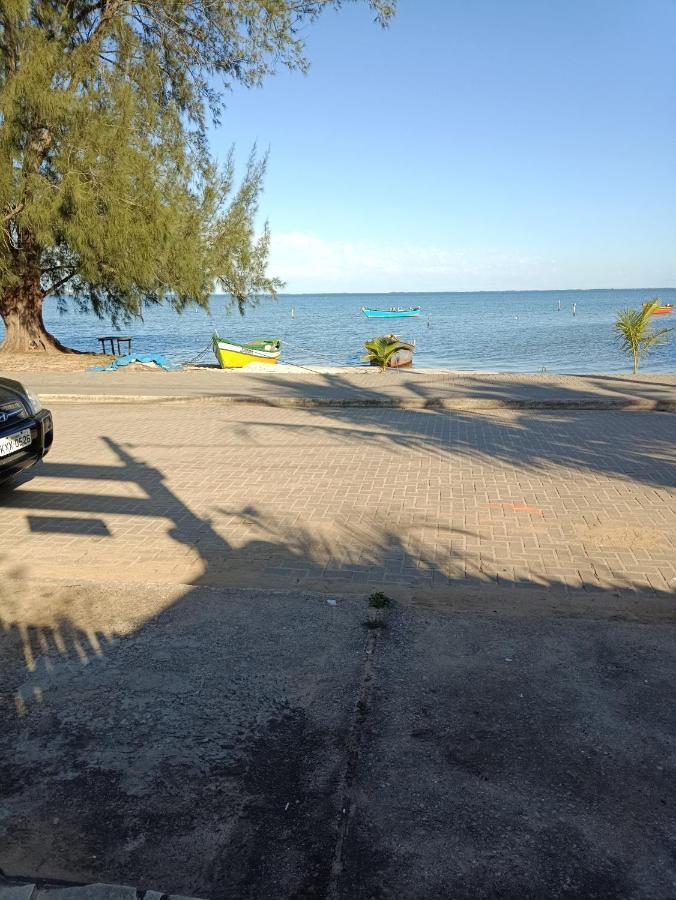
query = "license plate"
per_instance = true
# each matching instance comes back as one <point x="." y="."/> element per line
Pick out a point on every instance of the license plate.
<point x="15" y="442"/>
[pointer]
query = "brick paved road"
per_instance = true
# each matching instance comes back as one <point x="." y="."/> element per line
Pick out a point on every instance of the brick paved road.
<point x="414" y="501"/>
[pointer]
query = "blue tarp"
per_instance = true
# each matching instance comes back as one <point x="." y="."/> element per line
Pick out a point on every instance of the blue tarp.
<point x="161" y="361"/>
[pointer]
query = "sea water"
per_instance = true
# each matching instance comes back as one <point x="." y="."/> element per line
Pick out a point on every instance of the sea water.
<point x="515" y="331"/>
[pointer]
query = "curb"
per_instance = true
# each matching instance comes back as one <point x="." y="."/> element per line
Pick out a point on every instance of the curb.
<point x="21" y="889"/>
<point x="591" y="403"/>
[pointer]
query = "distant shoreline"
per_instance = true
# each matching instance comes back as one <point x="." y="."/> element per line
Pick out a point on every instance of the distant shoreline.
<point x="431" y="293"/>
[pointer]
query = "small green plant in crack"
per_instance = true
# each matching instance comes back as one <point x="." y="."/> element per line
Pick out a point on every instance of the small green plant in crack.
<point x="378" y="600"/>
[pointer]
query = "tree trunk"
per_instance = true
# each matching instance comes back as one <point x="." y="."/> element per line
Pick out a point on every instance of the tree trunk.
<point x="635" y="361"/>
<point x="25" y="332"/>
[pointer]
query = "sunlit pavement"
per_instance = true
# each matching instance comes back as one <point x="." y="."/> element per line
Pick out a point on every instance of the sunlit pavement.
<point x="415" y="501"/>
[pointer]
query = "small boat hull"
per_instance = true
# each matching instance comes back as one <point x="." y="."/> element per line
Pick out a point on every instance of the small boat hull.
<point x="399" y="359"/>
<point x="663" y="310"/>
<point x="231" y="355"/>
<point x="411" y="312"/>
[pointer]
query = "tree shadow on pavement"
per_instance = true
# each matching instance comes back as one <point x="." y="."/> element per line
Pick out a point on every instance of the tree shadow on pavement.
<point x="195" y="741"/>
<point x="177" y="737"/>
<point x="402" y="386"/>
<point x="636" y="446"/>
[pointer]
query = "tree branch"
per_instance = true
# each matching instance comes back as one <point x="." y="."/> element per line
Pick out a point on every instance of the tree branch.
<point x="14" y="211"/>
<point x="86" y="10"/>
<point x="57" y="284"/>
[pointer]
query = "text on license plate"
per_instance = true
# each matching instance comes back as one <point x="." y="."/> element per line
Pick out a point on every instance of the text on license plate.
<point x="15" y="442"/>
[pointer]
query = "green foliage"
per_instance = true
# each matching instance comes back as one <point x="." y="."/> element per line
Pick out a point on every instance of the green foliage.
<point x="379" y="600"/>
<point x="106" y="183"/>
<point x="636" y="333"/>
<point x="380" y="349"/>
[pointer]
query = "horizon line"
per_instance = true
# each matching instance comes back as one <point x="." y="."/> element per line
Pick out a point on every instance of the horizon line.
<point x="475" y="291"/>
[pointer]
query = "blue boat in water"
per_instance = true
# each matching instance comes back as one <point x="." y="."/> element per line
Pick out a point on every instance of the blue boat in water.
<point x="391" y="313"/>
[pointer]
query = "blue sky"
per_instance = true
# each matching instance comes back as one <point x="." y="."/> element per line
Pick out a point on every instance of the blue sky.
<point x="479" y="145"/>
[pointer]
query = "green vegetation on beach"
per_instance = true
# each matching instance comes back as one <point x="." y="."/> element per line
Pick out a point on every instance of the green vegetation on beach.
<point x="107" y="186"/>
<point x="636" y="333"/>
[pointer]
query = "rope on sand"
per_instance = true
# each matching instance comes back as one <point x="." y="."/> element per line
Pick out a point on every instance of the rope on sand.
<point x="197" y="357"/>
<point x="202" y="353"/>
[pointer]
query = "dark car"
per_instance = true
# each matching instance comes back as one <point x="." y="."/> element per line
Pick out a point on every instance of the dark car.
<point x="26" y="429"/>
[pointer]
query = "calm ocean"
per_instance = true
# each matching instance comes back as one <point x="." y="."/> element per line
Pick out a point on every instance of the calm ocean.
<point x="507" y="332"/>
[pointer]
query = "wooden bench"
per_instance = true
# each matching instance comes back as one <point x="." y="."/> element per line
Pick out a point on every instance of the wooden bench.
<point x="115" y="339"/>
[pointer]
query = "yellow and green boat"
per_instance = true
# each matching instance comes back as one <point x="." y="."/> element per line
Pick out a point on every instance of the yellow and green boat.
<point x="233" y="355"/>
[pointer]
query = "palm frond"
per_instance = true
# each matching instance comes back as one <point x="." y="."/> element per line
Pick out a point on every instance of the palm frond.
<point x="655" y="338"/>
<point x="380" y="349"/>
<point x="635" y="332"/>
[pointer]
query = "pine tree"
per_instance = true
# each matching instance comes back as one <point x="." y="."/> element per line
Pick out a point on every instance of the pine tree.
<point x="106" y="182"/>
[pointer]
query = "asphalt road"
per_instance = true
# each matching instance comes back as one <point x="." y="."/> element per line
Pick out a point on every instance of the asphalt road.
<point x="236" y="744"/>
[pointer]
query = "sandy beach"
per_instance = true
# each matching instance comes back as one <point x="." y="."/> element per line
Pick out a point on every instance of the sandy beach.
<point x="67" y="378"/>
<point x="51" y="362"/>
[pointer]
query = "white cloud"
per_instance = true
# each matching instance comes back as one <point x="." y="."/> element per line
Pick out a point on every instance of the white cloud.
<point x="311" y="264"/>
